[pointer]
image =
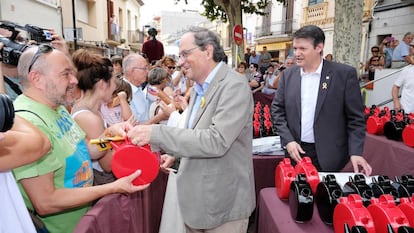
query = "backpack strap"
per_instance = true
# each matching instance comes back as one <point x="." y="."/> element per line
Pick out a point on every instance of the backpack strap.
<point x="13" y="86"/>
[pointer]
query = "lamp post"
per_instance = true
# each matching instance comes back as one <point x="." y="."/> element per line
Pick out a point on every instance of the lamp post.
<point x="75" y="39"/>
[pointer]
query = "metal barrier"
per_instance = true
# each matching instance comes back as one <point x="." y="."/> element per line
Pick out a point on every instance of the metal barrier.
<point x="385" y="76"/>
<point x="364" y="91"/>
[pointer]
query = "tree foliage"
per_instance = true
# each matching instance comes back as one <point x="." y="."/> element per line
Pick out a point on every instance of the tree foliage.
<point x="222" y="9"/>
<point x="231" y="11"/>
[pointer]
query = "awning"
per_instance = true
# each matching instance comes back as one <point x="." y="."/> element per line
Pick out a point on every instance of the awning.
<point x="273" y="46"/>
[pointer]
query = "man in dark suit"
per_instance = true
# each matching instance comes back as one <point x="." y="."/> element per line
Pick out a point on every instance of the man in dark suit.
<point x="318" y="109"/>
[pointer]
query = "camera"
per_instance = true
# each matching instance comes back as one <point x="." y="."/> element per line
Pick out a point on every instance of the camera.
<point x="38" y="34"/>
<point x="6" y="113"/>
<point x="11" y="51"/>
<point x="282" y="68"/>
<point x="12" y="48"/>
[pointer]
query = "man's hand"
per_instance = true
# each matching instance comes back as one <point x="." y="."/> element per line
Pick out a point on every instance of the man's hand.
<point x="166" y="161"/>
<point x="294" y="150"/>
<point x="119" y="129"/>
<point x="397" y="106"/>
<point x="357" y="162"/>
<point x="58" y="42"/>
<point x="140" y="135"/>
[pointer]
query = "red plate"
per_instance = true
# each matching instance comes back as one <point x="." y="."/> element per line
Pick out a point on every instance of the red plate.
<point x="128" y="158"/>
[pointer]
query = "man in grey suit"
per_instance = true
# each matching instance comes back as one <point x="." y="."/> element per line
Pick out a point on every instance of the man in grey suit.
<point x="215" y="179"/>
<point x="318" y="109"/>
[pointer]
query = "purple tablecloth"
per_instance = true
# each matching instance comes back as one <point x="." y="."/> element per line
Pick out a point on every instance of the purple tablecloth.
<point x="263" y="98"/>
<point x="135" y="213"/>
<point x="387" y="157"/>
<point x="274" y="217"/>
<point x="264" y="171"/>
<point x="141" y="212"/>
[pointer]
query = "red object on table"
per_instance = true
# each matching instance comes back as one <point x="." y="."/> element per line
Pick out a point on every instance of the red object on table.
<point x="350" y="210"/>
<point x="375" y="124"/>
<point x="384" y="211"/>
<point x="128" y="158"/>
<point x="312" y="177"/>
<point x="284" y="175"/>
<point x="274" y="217"/>
<point x="407" y="207"/>
<point x="408" y="135"/>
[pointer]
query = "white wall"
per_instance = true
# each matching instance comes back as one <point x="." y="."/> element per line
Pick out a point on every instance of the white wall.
<point x="396" y="22"/>
<point x="382" y="88"/>
<point x="41" y="13"/>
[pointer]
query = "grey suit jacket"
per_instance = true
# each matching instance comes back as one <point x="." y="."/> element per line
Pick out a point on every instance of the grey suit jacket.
<point x="339" y="125"/>
<point x="215" y="180"/>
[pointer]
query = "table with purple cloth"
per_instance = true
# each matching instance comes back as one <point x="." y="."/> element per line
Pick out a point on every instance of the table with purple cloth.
<point x="274" y="216"/>
<point x="265" y="99"/>
<point x="139" y="212"/>
<point x="387" y="157"/>
<point x="264" y="171"/>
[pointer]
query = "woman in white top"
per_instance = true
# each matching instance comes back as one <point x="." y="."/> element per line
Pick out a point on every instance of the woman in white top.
<point x="96" y="81"/>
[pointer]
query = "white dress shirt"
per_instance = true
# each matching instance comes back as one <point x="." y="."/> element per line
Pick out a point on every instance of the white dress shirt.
<point x="309" y="95"/>
<point x="200" y="89"/>
<point x="139" y="104"/>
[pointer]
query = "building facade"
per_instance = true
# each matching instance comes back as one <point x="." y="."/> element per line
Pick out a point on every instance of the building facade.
<point x="108" y="27"/>
<point x="24" y="12"/>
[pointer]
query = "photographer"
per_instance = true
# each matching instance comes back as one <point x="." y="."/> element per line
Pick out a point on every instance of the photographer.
<point x="14" y="45"/>
<point x="290" y="61"/>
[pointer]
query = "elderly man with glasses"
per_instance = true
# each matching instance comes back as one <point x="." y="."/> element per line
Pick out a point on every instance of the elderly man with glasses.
<point x="58" y="187"/>
<point x="215" y="181"/>
<point x="401" y="54"/>
<point x="136" y="69"/>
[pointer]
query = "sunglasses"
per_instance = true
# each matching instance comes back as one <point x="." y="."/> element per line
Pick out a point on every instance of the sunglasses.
<point x="42" y="49"/>
<point x="171" y="67"/>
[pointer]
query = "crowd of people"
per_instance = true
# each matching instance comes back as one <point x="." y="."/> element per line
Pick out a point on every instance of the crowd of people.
<point x="185" y="110"/>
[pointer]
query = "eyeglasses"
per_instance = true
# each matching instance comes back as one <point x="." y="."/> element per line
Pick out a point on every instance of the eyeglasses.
<point x="375" y="51"/>
<point x="140" y="68"/>
<point x="42" y="49"/>
<point x="171" y="67"/>
<point x="186" y="52"/>
<point x="375" y="60"/>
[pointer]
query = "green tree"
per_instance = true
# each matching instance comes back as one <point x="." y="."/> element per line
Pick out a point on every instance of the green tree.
<point x="231" y="11"/>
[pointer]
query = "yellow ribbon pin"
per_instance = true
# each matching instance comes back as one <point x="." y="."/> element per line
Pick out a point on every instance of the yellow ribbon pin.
<point x="203" y="101"/>
<point x="324" y="86"/>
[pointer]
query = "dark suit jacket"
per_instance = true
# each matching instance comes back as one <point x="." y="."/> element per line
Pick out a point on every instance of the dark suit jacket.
<point x="339" y="125"/>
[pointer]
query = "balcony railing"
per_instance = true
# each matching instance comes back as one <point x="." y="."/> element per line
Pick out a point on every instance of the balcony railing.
<point x="315" y="12"/>
<point x="136" y="36"/>
<point x="277" y="28"/>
